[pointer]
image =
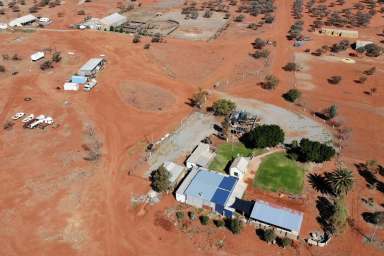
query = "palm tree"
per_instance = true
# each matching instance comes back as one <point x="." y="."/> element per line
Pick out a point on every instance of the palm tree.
<point x="341" y="181"/>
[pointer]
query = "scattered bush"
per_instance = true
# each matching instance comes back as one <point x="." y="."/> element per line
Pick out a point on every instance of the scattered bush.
<point x="46" y="65"/>
<point x="56" y="57"/>
<point x="223" y="107"/>
<point x="219" y="223"/>
<point x="192" y="215"/>
<point x="179" y="216"/>
<point x="199" y="98"/>
<point x="239" y="18"/>
<point x="259" y="43"/>
<point x="269" y="235"/>
<point x="235" y="226"/>
<point x="160" y="179"/>
<point x="334" y="79"/>
<point x="204" y="219"/>
<point x="270" y="82"/>
<point x="136" y="39"/>
<point x="284" y="242"/>
<point x="81" y="12"/>
<point x="376" y="218"/>
<point x="147" y="46"/>
<point x="261" y="54"/>
<point x="2" y="69"/>
<point x="292" y="95"/>
<point x="264" y="136"/>
<point x="291" y="66"/>
<point x="156" y="38"/>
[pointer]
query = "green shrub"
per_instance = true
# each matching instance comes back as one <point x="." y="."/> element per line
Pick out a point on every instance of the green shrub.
<point x="292" y="95"/>
<point x="204" y="219"/>
<point x="179" y="216"/>
<point x="223" y="107"/>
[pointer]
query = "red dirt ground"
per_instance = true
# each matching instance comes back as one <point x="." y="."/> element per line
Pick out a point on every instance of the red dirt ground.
<point x="54" y="202"/>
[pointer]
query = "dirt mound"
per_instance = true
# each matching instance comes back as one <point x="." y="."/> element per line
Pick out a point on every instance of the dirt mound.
<point x="145" y="96"/>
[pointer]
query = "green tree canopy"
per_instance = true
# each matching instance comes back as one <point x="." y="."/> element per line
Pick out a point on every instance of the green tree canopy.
<point x="264" y="136"/>
<point x="223" y="107"/>
<point x="160" y="179"/>
<point x="341" y="181"/>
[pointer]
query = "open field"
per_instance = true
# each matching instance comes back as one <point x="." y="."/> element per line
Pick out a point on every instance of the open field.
<point x="278" y="173"/>
<point x="55" y="201"/>
<point x="227" y="152"/>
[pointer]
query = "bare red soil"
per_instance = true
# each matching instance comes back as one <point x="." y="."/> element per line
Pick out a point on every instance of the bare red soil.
<point x="54" y="202"/>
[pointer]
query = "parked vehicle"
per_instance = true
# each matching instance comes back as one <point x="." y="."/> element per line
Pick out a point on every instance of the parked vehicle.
<point x="18" y="115"/>
<point x="28" y="118"/>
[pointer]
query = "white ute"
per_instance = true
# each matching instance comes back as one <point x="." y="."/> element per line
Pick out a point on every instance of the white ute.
<point x="28" y="118"/>
<point x="18" y="115"/>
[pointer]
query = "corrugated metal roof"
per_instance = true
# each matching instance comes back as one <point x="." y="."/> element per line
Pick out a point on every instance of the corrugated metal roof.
<point x="91" y="64"/>
<point x="37" y="56"/>
<point x="113" y="19"/>
<point x="79" y="79"/>
<point x="281" y="217"/>
<point x="174" y="169"/>
<point x="240" y="163"/>
<point x="21" y="20"/>
<point x="201" y="156"/>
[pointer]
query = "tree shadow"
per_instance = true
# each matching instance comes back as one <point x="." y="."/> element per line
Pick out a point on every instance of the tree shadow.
<point x="369" y="177"/>
<point x="320" y="183"/>
<point x="326" y="211"/>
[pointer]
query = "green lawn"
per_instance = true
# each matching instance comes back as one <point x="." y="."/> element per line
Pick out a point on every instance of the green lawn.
<point x="227" y="151"/>
<point x="279" y="173"/>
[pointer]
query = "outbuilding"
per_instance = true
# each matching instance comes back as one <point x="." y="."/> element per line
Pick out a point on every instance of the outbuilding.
<point x="200" y="157"/>
<point x="284" y="221"/>
<point x="37" y="56"/>
<point x="21" y="21"/>
<point x="113" y="20"/>
<point x="71" y="87"/>
<point x="239" y="167"/>
<point x="91" y="67"/>
<point x="177" y="172"/>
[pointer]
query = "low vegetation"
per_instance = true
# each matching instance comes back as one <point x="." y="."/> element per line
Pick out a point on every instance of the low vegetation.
<point x="227" y="152"/>
<point x="160" y="179"/>
<point x="292" y="95"/>
<point x="270" y="82"/>
<point x="278" y="173"/>
<point x="223" y="107"/>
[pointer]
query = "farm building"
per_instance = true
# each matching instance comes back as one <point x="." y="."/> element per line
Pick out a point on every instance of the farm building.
<point x="239" y="167"/>
<point x="37" y="56"/>
<point x="79" y="79"/>
<point x="71" y="87"/>
<point x="204" y="188"/>
<point x="339" y="32"/>
<point x="177" y="172"/>
<point x="21" y="21"/>
<point x="200" y="157"/>
<point x="113" y="20"/>
<point x="91" y="67"/>
<point x="283" y="220"/>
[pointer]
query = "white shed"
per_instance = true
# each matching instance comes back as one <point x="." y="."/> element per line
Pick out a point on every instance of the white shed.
<point x="239" y="167"/>
<point x="71" y="87"/>
<point x="24" y="20"/>
<point x="37" y="56"/>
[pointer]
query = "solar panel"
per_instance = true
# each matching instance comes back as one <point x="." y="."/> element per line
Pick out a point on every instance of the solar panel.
<point x="228" y="183"/>
<point x="220" y="196"/>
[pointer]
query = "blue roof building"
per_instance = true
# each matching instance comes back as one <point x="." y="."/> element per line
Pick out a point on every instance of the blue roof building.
<point x="79" y="79"/>
<point x="211" y="189"/>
